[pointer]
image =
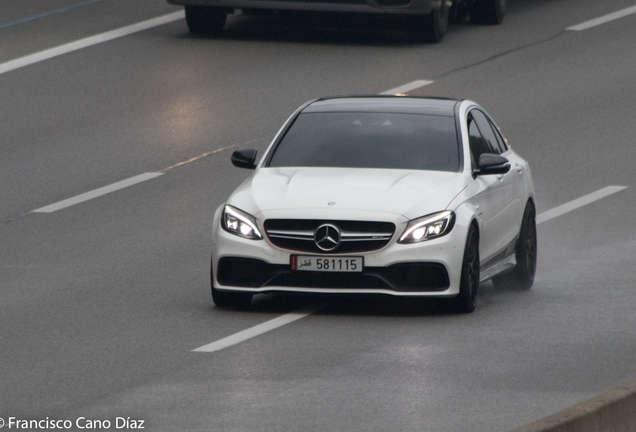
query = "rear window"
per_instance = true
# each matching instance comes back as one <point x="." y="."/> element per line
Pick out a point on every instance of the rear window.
<point x="369" y="140"/>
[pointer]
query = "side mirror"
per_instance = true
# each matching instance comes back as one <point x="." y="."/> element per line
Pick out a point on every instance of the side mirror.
<point x="492" y="164"/>
<point x="244" y="158"/>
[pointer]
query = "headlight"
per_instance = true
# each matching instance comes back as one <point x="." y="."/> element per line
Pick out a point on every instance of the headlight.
<point x="239" y="223"/>
<point x="428" y="227"/>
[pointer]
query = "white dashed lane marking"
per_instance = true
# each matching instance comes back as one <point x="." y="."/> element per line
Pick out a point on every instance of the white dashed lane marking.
<point x="122" y="184"/>
<point x="604" y="19"/>
<point x="96" y="193"/>
<point x="89" y="41"/>
<point x="578" y="203"/>
<point x="265" y="327"/>
<point x="404" y="89"/>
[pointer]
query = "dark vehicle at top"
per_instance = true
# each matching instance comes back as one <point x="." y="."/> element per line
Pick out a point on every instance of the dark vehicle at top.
<point x="425" y="20"/>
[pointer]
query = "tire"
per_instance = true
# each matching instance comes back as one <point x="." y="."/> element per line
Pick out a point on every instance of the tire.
<point x="429" y="28"/>
<point x="205" y="21"/>
<point x="488" y="11"/>
<point x="458" y="12"/>
<point x="228" y="299"/>
<point x="522" y="276"/>
<point x="466" y="300"/>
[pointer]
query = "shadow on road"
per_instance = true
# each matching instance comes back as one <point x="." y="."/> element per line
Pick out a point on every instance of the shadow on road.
<point x="356" y="304"/>
<point x="375" y="304"/>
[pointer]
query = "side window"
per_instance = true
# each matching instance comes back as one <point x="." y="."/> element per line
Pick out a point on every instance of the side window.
<point x="476" y="141"/>
<point x="486" y="131"/>
<point x="502" y="144"/>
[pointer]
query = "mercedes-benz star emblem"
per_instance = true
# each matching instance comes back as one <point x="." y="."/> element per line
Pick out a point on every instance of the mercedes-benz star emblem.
<point x="327" y="237"/>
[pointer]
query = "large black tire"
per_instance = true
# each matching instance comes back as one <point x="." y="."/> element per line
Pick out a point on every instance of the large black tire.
<point x="458" y="12"/>
<point x="206" y="21"/>
<point x="522" y="276"/>
<point x="229" y="299"/>
<point x="487" y="11"/>
<point x="429" y="28"/>
<point x="466" y="301"/>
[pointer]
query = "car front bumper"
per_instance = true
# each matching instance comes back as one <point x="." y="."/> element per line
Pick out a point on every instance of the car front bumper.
<point x="428" y="269"/>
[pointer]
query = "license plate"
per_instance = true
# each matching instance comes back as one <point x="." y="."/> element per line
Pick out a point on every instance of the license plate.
<point x="324" y="264"/>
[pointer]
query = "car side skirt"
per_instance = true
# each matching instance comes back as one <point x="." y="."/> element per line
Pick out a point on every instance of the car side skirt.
<point x="503" y="261"/>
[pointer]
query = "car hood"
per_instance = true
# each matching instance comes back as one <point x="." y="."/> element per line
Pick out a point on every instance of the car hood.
<point x="325" y="192"/>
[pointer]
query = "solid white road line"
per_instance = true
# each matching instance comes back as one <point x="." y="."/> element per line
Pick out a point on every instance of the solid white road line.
<point x="270" y="325"/>
<point x="604" y="19"/>
<point x="96" y="193"/>
<point x="577" y="203"/>
<point x="403" y="89"/>
<point x="89" y="41"/>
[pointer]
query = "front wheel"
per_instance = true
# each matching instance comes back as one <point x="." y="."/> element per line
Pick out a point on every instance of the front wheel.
<point x="202" y="20"/>
<point x="522" y="276"/>
<point x="466" y="300"/>
<point x="429" y="28"/>
<point x="488" y="11"/>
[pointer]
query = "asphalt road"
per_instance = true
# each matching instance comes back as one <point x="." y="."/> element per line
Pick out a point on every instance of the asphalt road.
<point x="102" y="303"/>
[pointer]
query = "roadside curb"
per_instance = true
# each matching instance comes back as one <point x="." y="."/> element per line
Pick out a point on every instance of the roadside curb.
<point x="612" y="411"/>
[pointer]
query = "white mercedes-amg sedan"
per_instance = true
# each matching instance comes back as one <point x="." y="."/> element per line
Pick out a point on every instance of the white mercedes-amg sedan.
<point x="402" y="196"/>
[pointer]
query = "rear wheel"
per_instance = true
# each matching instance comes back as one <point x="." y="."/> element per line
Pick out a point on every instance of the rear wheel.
<point x="429" y="28"/>
<point x="488" y="11"/>
<point x="202" y="20"/>
<point x="229" y="299"/>
<point x="458" y="13"/>
<point x="466" y="301"/>
<point x="522" y="276"/>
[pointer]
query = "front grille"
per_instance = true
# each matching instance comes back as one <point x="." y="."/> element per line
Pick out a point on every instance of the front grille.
<point x="356" y="236"/>
<point x="403" y="277"/>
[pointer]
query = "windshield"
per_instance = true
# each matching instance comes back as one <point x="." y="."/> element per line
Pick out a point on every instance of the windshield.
<point x="369" y="140"/>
